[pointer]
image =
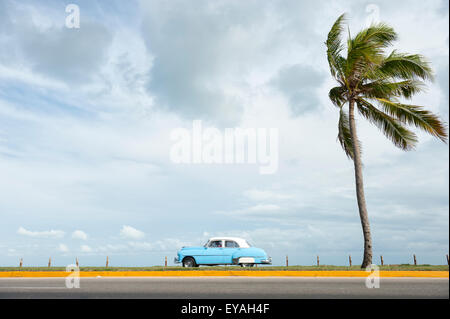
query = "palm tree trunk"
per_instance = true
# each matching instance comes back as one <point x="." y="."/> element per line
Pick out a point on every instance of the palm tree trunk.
<point x="360" y="189"/>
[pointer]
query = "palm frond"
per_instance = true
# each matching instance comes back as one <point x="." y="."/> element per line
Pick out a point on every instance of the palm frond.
<point x="367" y="74"/>
<point x="366" y="49"/>
<point x="344" y="135"/>
<point x="391" y="127"/>
<point x="384" y="89"/>
<point x="334" y="45"/>
<point x="405" y="66"/>
<point x="379" y="35"/>
<point x="417" y="116"/>
<point x="337" y="96"/>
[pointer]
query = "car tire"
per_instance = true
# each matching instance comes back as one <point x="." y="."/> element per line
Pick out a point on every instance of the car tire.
<point x="247" y="265"/>
<point x="189" y="262"/>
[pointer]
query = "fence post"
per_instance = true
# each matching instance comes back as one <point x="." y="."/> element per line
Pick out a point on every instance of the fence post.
<point x="50" y="262"/>
<point x="107" y="261"/>
<point x="382" y="262"/>
<point x="165" y="261"/>
<point x="318" y="262"/>
<point x="448" y="262"/>
<point x="76" y="261"/>
<point x="287" y="261"/>
<point x="350" y="260"/>
<point x="415" y="261"/>
<point x="21" y="262"/>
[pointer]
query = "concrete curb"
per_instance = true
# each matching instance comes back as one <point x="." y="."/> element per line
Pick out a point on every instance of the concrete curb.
<point x="225" y="273"/>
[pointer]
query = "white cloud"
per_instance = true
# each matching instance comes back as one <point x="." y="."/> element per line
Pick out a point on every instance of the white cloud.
<point x="262" y="208"/>
<point x="131" y="232"/>
<point x="166" y="244"/>
<point x="49" y="48"/>
<point x="86" y="249"/>
<point x="233" y="46"/>
<point x="63" y="248"/>
<point x="263" y="195"/>
<point x="113" y="248"/>
<point x="256" y="209"/>
<point x="79" y="234"/>
<point x="41" y="234"/>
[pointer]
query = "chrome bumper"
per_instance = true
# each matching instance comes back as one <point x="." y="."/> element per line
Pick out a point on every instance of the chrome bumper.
<point x="267" y="261"/>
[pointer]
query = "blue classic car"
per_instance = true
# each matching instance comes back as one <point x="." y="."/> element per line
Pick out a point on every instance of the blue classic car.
<point x="222" y="251"/>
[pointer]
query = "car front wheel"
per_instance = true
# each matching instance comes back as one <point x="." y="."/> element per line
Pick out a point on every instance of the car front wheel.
<point x="247" y="265"/>
<point x="189" y="262"/>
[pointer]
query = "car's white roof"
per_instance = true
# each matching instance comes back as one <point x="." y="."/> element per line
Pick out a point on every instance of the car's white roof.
<point x="241" y="242"/>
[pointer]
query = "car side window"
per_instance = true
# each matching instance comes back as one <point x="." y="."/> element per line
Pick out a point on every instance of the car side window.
<point x="231" y="244"/>
<point x="215" y="244"/>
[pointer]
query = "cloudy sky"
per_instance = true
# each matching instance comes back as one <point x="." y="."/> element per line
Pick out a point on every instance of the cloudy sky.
<point x="86" y="117"/>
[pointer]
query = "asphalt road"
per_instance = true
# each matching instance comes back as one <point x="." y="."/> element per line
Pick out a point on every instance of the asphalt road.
<point x="224" y="287"/>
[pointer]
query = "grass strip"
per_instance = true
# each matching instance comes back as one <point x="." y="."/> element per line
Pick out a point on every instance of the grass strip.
<point x="402" y="267"/>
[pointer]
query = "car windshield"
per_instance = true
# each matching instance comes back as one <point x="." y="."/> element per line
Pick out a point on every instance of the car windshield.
<point x="249" y="245"/>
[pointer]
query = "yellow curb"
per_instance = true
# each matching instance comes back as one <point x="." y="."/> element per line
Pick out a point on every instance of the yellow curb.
<point x="221" y="273"/>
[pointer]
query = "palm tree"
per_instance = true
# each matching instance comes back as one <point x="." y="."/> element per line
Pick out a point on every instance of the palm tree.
<point x="376" y="82"/>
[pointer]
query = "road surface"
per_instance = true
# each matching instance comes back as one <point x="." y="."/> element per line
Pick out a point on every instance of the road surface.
<point x="224" y="287"/>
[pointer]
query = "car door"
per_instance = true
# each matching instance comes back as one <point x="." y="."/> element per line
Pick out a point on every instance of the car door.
<point x="214" y="253"/>
<point x="230" y="248"/>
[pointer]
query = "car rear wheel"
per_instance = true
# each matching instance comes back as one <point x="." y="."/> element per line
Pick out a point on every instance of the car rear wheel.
<point x="189" y="262"/>
<point x="247" y="265"/>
